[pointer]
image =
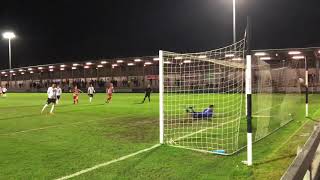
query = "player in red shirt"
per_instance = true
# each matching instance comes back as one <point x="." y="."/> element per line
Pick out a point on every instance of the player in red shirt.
<point x="76" y="93"/>
<point x="109" y="92"/>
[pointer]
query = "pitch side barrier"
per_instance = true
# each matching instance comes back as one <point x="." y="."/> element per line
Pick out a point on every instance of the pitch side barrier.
<point x="303" y="166"/>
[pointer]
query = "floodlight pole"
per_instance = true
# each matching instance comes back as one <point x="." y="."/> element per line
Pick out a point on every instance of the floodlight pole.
<point x="306" y="85"/>
<point x="248" y="76"/>
<point x="234" y="21"/>
<point x="161" y="91"/>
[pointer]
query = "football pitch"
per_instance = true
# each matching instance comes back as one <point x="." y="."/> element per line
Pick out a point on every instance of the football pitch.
<point x="77" y="137"/>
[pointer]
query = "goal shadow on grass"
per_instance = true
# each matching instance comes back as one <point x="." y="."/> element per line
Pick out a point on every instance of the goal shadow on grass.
<point x="275" y="159"/>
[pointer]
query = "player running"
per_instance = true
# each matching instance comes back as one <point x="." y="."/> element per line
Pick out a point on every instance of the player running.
<point x="109" y="92"/>
<point x="4" y="91"/>
<point x="52" y="96"/>
<point x="148" y="91"/>
<point x="76" y="93"/>
<point x="59" y="92"/>
<point x="206" y="113"/>
<point x="91" y="91"/>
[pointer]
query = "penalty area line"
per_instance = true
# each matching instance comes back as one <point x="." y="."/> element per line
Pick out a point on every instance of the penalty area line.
<point x="107" y="163"/>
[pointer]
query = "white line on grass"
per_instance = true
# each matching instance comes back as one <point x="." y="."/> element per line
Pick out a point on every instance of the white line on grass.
<point x="107" y="163"/>
<point x="60" y="125"/>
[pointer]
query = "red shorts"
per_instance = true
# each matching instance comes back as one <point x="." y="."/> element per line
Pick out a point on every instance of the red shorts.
<point x="75" y="97"/>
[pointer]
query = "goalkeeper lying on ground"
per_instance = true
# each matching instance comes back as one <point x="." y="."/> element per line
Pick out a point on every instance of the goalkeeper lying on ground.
<point x="206" y="113"/>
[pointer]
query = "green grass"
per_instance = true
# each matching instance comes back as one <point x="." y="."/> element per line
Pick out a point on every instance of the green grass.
<point x="35" y="146"/>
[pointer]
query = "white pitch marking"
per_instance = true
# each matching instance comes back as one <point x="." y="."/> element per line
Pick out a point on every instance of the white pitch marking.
<point x="107" y="163"/>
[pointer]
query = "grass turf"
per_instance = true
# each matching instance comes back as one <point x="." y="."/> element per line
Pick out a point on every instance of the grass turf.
<point x="35" y="146"/>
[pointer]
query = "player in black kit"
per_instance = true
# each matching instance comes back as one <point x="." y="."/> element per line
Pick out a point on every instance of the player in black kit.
<point x="147" y="93"/>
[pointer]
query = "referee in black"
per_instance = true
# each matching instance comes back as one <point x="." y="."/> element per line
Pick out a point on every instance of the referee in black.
<point x="147" y="93"/>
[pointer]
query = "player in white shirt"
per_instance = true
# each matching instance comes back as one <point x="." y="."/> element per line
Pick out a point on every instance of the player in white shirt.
<point x="59" y="92"/>
<point x="91" y="91"/>
<point x="52" y="96"/>
<point x="4" y="91"/>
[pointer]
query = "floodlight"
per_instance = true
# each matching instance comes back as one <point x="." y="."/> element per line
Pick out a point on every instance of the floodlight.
<point x="22" y="73"/>
<point x="50" y="70"/>
<point x="51" y="67"/>
<point x="8" y="35"/>
<point x="260" y="54"/>
<point x="130" y="64"/>
<point x="86" y="67"/>
<point x="229" y="55"/>
<point x="40" y="68"/>
<point x="61" y="69"/>
<point x="167" y="62"/>
<point x="3" y="72"/>
<point x="119" y="61"/>
<point x="31" y="72"/>
<point x="298" y="57"/>
<point x="73" y="68"/>
<point x="265" y="58"/>
<point x="148" y="63"/>
<point x="237" y="59"/>
<point x="294" y="52"/>
<point x="202" y="56"/>
<point x="137" y="60"/>
<point x="156" y="59"/>
<point x="62" y="65"/>
<point x="99" y="66"/>
<point x="75" y="64"/>
<point x="88" y="63"/>
<point x="20" y="70"/>
<point x="178" y="57"/>
<point x="11" y="71"/>
<point x="103" y="62"/>
<point x="114" y="64"/>
<point x="29" y="69"/>
<point x="187" y="61"/>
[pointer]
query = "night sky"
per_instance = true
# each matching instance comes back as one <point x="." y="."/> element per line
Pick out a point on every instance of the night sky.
<point x="69" y="30"/>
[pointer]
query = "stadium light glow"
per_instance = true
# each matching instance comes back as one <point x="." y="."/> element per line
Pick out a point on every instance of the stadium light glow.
<point x="22" y="73"/>
<point x="40" y="68"/>
<point x="20" y="70"/>
<point x="148" y="63"/>
<point x="119" y="61"/>
<point x="202" y="57"/>
<point x="294" y="52"/>
<point x="298" y="57"/>
<point x="61" y="69"/>
<point x="113" y="65"/>
<point x="50" y="70"/>
<point x="130" y="64"/>
<point x="103" y="62"/>
<point x="74" y="68"/>
<point x="229" y="55"/>
<point x="11" y="71"/>
<point x="265" y="58"/>
<point x="31" y="72"/>
<point x="29" y="69"/>
<point x="177" y="58"/>
<point x="86" y="67"/>
<point x="51" y="67"/>
<point x="187" y="61"/>
<point x="260" y="54"/>
<point x="156" y="59"/>
<point x="62" y="65"/>
<point x="8" y="35"/>
<point x="14" y="74"/>
<point x="6" y="75"/>
<point x="319" y="51"/>
<point x="237" y="59"/>
<point x="75" y="64"/>
<point x="100" y="66"/>
<point x="3" y="72"/>
<point x="167" y="62"/>
<point x="137" y="60"/>
<point x="89" y="63"/>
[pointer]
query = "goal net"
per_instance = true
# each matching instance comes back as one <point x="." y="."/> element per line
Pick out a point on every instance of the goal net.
<point x="203" y="98"/>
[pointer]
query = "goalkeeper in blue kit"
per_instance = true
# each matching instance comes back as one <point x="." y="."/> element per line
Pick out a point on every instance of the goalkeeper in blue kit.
<point x="206" y="113"/>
